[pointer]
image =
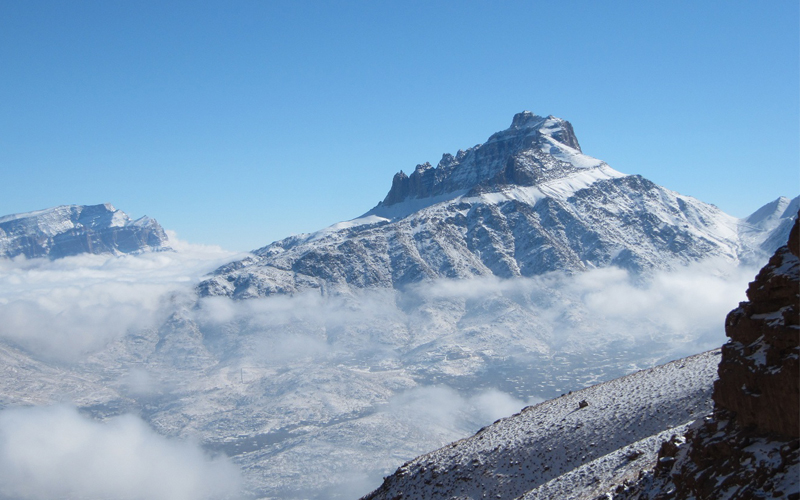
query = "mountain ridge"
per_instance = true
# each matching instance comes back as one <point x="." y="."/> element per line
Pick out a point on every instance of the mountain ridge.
<point x="524" y="203"/>
<point x="514" y="155"/>
<point x="68" y="230"/>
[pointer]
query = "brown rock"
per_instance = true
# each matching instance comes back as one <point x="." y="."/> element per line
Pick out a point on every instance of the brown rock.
<point x="760" y="367"/>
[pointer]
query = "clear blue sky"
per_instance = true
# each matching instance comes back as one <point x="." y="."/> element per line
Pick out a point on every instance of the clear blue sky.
<point x="240" y="122"/>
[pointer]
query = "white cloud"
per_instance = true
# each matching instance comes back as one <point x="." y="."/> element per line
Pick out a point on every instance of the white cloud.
<point x="67" y="307"/>
<point x="439" y="359"/>
<point x="441" y="411"/>
<point x="54" y="452"/>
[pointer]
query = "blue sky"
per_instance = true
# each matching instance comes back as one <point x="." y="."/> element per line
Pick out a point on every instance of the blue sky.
<point x="238" y="123"/>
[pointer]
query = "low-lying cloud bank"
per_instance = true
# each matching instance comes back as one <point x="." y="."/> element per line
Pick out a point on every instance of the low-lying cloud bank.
<point x="54" y="452"/>
<point x="65" y="308"/>
<point x="682" y="311"/>
<point x="430" y="363"/>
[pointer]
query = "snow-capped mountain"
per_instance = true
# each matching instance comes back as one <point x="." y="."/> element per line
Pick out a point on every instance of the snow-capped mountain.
<point x="75" y="229"/>
<point x="774" y="219"/>
<point x="526" y="202"/>
<point x="447" y="318"/>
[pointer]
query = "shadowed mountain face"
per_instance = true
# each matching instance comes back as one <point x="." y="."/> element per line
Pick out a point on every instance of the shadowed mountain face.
<point x="525" y="203"/>
<point x="533" y="150"/>
<point x="75" y="229"/>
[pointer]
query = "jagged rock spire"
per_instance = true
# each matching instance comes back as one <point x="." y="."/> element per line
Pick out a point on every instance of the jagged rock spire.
<point x="533" y="149"/>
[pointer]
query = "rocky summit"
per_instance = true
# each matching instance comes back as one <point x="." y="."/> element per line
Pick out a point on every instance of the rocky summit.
<point x="76" y="229"/>
<point x="533" y="150"/>
<point x="526" y="202"/>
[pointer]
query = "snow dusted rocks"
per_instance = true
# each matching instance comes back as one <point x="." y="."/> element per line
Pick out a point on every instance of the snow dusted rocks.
<point x="526" y="202"/>
<point x="558" y="449"/>
<point x="75" y="229"/>
<point x="533" y="150"/>
<point x="749" y="447"/>
<point x="760" y="369"/>
<point x="600" y="443"/>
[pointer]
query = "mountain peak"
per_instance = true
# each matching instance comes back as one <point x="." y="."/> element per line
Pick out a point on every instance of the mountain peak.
<point x="526" y="119"/>
<point x="534" y="149"/>
<point x="74" y="229"/>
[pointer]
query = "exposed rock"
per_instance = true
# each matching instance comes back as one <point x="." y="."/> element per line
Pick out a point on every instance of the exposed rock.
<point x="748" y="448"/>
<point x="760" y="368"/>
<point x="75" y="229"/>
<point x="524" y="154"/>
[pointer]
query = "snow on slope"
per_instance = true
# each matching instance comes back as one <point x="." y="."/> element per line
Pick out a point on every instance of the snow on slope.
<point x="581" y="221"/>
<point x="525" y="203"/>
<point x="75" y="229"/>
<point x="561" y="447"/>
<point x="768" y="227"/>
<point x="318" y="395"/>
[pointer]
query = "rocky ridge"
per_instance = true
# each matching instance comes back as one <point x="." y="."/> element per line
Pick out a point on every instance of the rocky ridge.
<point x="748" y="448"/>
<point x="744" y="446"/>
<point x="568" y="447"/>
<point x="532" y="150"/>
<point x="525" y="203"/>
<point x="75" y="229"/>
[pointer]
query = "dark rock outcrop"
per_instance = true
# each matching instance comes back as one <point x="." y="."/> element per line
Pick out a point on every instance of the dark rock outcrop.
<point x="760" y="368"/>
<point x="748" y="448"/>
<point x="520" y="155"/>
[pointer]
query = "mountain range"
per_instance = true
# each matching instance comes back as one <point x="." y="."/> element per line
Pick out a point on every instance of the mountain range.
<point x="509" y="274"/>
<point x="653" y="434"/>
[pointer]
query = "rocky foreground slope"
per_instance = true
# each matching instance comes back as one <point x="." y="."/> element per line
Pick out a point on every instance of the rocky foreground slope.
<point x="570" y="447"/>
<point x="75" y="229"/>
<point x="601" y="442"/>
<point x="748" y="448"/>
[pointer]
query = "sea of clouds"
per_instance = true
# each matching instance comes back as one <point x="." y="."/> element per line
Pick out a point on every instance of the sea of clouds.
<point x="61" y="311"/>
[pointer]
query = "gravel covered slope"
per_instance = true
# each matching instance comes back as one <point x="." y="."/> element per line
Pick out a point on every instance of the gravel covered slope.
<point x="575" y="444"/>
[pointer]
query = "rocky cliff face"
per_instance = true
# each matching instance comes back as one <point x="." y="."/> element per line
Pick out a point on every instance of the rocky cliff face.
<point x="760" y="369"/>
<point x="748" y="448"/>
<point x="532" y="150"/>
<point x="75" y="229"/>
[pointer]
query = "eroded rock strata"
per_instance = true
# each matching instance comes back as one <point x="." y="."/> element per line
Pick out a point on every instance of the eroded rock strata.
<point x="748" y="448"/>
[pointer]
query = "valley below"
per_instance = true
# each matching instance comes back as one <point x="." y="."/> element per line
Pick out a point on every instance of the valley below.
<point x="519" y="273"/>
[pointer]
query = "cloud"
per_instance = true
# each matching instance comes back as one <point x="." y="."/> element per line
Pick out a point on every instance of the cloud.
<point x="428" y="364"/>
<point x="683" y="310"/>
<point x="441" y="409"/>
<point x="54" y="452"/>
<point x="65" y="308"/>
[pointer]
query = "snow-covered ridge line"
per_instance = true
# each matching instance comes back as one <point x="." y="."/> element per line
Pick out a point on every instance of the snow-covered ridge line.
<point x="559" y="189"/>
<point x="532" y="150"/>
<point x="525" y="203"/>
<point x="519" y="454"/>
<point x="74" y="229"/>
<point x="52" y="210"/>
